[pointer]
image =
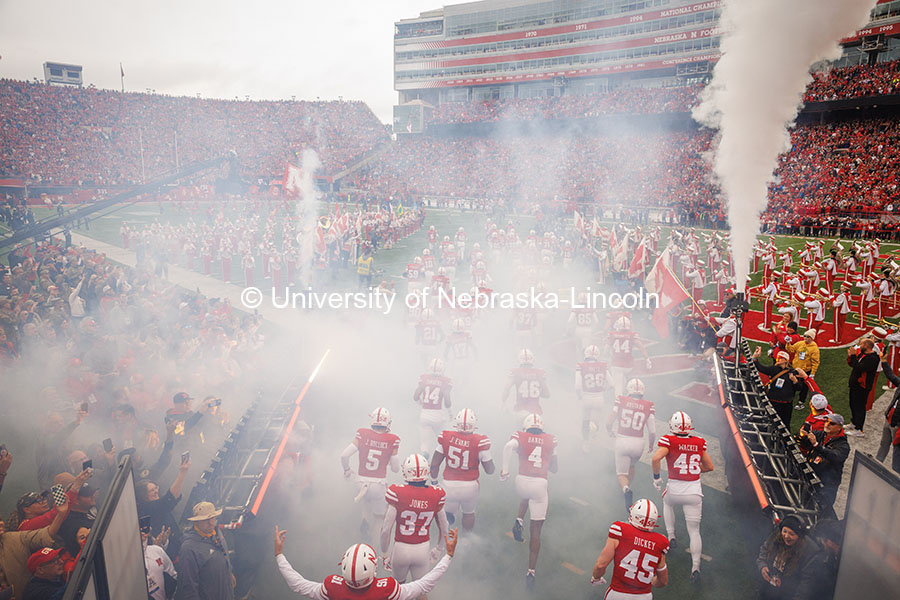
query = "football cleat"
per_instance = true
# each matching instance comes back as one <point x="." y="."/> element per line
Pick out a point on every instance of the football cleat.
<point x="529" y="580"/>
<point x="680" y="423"/>
<point x="673" y="544"/>
<point x="358" y="565"/>
<point x="451" y="518"/>
<point x="380" y="417"/>
<point x="526" y="357"/>
<point x="518" y="529"/>
<point x="629" y="499"/>
<point x="695" y="577"/>
<point x="634" y="387"/>
<point x="415" y="468"/>
<point x="466" y="421"/>
<point x="533" y="421"/>
<point x="643" y="514"/>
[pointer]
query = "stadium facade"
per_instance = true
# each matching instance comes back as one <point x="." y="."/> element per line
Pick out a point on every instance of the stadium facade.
<point x="499" y="49"/>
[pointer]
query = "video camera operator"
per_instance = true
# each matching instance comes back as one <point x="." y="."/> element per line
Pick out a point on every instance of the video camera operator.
<point x="784" y="381"/>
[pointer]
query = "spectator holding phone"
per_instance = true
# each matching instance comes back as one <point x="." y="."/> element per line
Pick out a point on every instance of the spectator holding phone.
<point x="82" y="513"/>
<point x="16" y="547"/>
<point x="159" y="509"/>
<point x="34" y="509"/>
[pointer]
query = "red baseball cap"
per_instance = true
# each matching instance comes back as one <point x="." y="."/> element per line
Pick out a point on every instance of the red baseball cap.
<point x="42" y="557"/>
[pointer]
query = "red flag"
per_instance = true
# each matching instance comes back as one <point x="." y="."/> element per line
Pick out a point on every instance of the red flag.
<point x="662" y="282"/>
<point x="292" y="179"/>
<point x="579" y="222"/>
<point x="319" y="243"/>
<point x="637" y="262"/>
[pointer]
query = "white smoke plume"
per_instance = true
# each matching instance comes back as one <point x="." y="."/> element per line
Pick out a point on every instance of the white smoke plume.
<point x="767" y="48"/>
<point x="308" y="208"/>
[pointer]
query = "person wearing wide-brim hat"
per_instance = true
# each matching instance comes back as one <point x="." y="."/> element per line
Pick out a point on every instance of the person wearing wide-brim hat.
<point x="204" y="570"/>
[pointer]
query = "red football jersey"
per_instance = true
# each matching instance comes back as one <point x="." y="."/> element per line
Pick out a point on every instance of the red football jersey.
<point x="459" y="344"/>
<point x="416" y="507"/>
<point x="433" y="390"/>
<point x="413" y="271"/>
<point x="637" y="556"/>
<point x="632" y="415"/>
<point x="432" y="236"/>
<point x="429" y="332"/>
<point x="683" y="459"/>
<point x="530" y="385"/>
<point x="375" y="451"/>
<point x="428" y="262"/>
<point x="584" y="317"/>
<point x="593" y="376"/>
<point x="621" y="344"/>
<point x="384" y="588"/>
<point x="525" y="319"/>
<point x="535" y="451"/>
<point x="449" y="257"/>
<point x="462" y="450"/>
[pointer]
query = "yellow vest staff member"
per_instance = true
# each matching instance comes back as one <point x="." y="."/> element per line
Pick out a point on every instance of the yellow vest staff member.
<point x="364" y="270"/>
<point x="806" y="357"/>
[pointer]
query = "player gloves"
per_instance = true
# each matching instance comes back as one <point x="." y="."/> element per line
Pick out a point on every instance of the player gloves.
<point x="657" y="482"/>
<point x="601" y="581"/>
<point x="504" y="476"/>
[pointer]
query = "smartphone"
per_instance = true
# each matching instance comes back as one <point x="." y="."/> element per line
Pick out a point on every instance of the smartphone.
<point x="88" y="464"/>
<point x="107" y="445"/>
<point x="85" y="407"/>
<point x="144" y="523"/>
<point x="59" y="494"/>
<point x="3" y="450"/>
<point x="216" y="402"/>
<point x="185" y="456"/>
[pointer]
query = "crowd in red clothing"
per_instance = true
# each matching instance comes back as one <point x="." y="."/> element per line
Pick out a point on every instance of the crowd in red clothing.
<point x="835" y="84"/>
<point x="620" y="101"/>
<point x="841" y="168"/>
<point x="882" y="79"/>
<point x="64" y="135"/>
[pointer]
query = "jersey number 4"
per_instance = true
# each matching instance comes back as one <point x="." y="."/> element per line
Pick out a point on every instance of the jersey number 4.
<point x="647" y="568"/>
<point x="687" y="465"/>
<point x="411" y="522"/>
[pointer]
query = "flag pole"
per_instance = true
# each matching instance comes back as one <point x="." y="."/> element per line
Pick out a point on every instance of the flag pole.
<point x="122" y="77"/>
<point x="691" y="296"/>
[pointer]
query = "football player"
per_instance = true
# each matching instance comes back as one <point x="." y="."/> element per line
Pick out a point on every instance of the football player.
<point x="686" y="458"/>
<point x="537" y="456"/>
<point x="459" y="348"/>
<point x="433" y="396"/>
<point x="377" y="447"/>
<point x="581" y="322"/>
<point x="529" y="383"/>
<point x="631" y="416"/>
<point x="428" y="330"/>
<point x="638" y="555"/>
<point x="591" y="382"/>
<point x="465" y="450"/>
<point x="357" y="580"/>
<point x="622" y="341"/>
<point x="411" y="508"/>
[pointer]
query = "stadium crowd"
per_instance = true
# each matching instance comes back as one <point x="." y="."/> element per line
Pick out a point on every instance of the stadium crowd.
<point x="857" y="81"/>
<point x="92" y="350"/>
<point x="70" y="136"/>
<point x="636" y="100"/>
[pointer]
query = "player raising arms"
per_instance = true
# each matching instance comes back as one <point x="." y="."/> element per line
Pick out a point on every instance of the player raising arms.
<point x="631" y="416"/>
<point x="412" y="507"/>
<point x="529" y="383"/>
<point x="591" y="383"/>
<point x="537" y="456"/>
<point x="433" y="395"/>
<point x="686" y="458"/>
<point x="357" y="580"/>
<point x="465" y="451"/>
<point x="377" y="448"/>
<point x="638" y="555"/>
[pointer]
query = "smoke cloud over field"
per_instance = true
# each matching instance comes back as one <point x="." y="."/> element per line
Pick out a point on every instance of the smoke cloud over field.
<point x="755" y="95"/>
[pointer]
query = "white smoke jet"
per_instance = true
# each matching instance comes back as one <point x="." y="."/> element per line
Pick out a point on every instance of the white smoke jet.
<point x="308" y="211"/>
<point x="767" y="48"/>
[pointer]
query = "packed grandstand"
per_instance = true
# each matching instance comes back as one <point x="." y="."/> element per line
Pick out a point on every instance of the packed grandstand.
<point x="101" y="138"/>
